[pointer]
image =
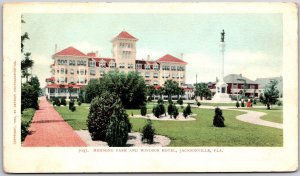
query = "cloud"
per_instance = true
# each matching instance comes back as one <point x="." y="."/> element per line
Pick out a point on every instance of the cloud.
<point x="41" y="67"/>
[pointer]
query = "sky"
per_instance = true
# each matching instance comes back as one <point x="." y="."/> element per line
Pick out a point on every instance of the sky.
<point x="253" y="41"/>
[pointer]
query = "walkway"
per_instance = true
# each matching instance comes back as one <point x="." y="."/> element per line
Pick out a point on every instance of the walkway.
<point x="254" y="118"/>
<point x="48" y="129"/>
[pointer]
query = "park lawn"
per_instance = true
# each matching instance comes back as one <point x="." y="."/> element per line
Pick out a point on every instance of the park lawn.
<point x="273" y="114"/>
<point x="194" y="133"/>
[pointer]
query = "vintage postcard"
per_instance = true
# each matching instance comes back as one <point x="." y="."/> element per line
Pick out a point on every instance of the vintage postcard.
<point x="150" y="87"/>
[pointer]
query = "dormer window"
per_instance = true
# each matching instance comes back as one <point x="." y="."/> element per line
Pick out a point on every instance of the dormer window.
<point x="147" y="67"/>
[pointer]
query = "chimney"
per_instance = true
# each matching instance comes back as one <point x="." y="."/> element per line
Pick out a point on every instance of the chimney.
<point x="181" y="56"/>
<point x="97" y="53"/>
<point x="148" y="57"/>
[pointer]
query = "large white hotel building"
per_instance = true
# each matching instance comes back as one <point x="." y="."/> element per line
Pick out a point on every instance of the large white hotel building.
<point x="73" y="68"/>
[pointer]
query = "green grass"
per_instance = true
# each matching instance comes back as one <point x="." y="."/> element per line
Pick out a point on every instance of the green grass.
<point x="76" y="119"/>
<point x="202" y="133"/>
<point x="27" y="115"/>
<point x="273" y="114"/>
<point x="195" y="133"/>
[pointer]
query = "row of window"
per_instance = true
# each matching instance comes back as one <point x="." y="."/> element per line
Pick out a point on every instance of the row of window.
<point x="71" y="62"/>
<point x="173" y="68"/>
<point x="65" y="71"/>
<point x="63" y="80"/>
<point x="126" y="45"/>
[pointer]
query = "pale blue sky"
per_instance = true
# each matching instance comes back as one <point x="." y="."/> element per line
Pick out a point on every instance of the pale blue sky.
<point x="253" y="41"/>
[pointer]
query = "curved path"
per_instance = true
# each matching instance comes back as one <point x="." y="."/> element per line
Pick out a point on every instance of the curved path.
<point x="49" y="129"/>
<point x="254" y="118"/>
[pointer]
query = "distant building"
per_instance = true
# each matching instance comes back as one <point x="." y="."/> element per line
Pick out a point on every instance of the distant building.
<point x="263" y="83"/>
<point x="72" y="69"/>
<point x="237" y="84"/>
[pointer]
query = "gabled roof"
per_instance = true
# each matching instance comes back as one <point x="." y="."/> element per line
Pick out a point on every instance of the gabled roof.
<point x="237" y="78"/>
<point x="170" y="58"/>
<point x="70" y="51"/>
<point x="125" y="35"/>
<point x="263" y="82"/>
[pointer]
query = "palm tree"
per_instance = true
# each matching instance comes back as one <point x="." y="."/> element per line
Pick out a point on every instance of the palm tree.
<point x="26" y="64"/>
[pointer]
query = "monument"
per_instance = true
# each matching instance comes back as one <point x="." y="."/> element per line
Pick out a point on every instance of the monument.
<point x="221" y="87"/>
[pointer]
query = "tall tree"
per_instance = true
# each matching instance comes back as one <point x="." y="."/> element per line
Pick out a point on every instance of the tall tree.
<point x="270" y="95"/>
<point x="202" y="90"/>
<point x="171" y="88"/>
<point x="150" y="91"/>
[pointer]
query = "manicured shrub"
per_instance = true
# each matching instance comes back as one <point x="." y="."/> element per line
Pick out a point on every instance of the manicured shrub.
<point x="118" y="128"/>
<point x="198" y="104"/>
<point x="149" y="99"/>
<point x="63" y="102"/>
<point x="218" y="118"/>
<point x="170" y="101"/>
<point x="57" y="102"/>
<point x="237" y="104"/>
<point x="254" y="101"/>
<point x="242" y="103"/>
<point x="73" y="108"/>
<point x="170" y="110"/>
<point x="156" y="111"/>
<point x="148" y="132"/>
<point x="175" y="112"/>
<point x="29" y="97"/>
<point x="143" y="110"/>
<point x="188" y="109"/>
<point x="71" y="104"/>
<point x="180" y="101"/>
<point x="24" y="130"/>
<point x="162" y="109"/>
<point x="279" y="103"/>
<point x="79" y="102"/>
<point x="160" y="101"/>
<point x="185" y="114"/>
<point x="101" y="110"/>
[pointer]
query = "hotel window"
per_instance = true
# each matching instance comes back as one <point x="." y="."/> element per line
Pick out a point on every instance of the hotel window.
<point x="155" y="82"/>
<point x="112" y="65"/>
<point x="181" y="76"/>
<point x="138" y="66"/>
<point x="147" y="75"/>
<point x="130" y="66"/>
<point x="102" y="64"/>
<point x="234" y="86"/>
<point x="72" y="71"/>
<point x="177" y="75"/>
<point x="82" y="71"/>
<point x="147" y="67"/>
<point x="155" y="67"/>
<point x="72" y="80"/>
<point x="155" y="75"/>
<point x="81" y="62"/>
<point x="81" y="80"/>
<point x="92" y="72"/>
<point x="92" y="64"/>
<point x="102" y="73"/>
<point x="72" y="62"/>
<point x="252" y="86"/>
<point x="57" y="71"/>
<point x="62" y="70"/>
<point x="147" y="82"/>
<point x="122" y="65"/>
<point x="66" y="71"/>
<point x="66" y="80"/>
<point x="173" y="75"/>
<point x="173" y="68"/>
<point x="166" y="67"/>
<point x="62" y="80"/>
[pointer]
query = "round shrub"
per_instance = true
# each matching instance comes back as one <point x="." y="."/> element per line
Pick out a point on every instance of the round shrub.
<point x="185" y="114"/>
<point x="188" y="109"/>
<point x="29" y="97"/>
<point x="149" y="99"/>
<point x="162" y="109"/>
<point x="148" y="132"/>
<point x="242" y="103"/>
<point x="101" y="109"/>
<point x="198" y="104"/>
<point x="180" y="101"/>
<point x="71" y="104"/>
<point x="237" y="104"/>
<point x="57" y="102"/>
<point x="156" y="111"/>
<point x="118" y="128"/>
<point x="218" y="118"/>
<point x="170" y="110"/>
<point x="143" y="110"/>
<point x="175" y="112"/>
<point x="63" y="102"/>
<point x="79" y="102"/>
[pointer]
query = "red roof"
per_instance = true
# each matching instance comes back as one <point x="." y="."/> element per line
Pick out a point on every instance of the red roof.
<point x="125" y="35"/>
<point x="97" y="59"/>
<point x="170" y="58"/>
<point x="64" y="85"/>
<point x="70" y="51"/>
<point x="91" y="54"/>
